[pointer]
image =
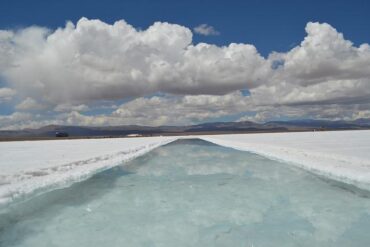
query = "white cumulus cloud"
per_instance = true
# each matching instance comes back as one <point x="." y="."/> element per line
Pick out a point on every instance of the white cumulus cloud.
<point x="6" y="94"/>
<point x="93" y="60"/>
<point x="206" y="30"/>
<point x="71" y="69"/>
<point x="29" y="104"/>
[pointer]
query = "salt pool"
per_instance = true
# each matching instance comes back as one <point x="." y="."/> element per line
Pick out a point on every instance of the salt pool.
<point x="193" y="193"/>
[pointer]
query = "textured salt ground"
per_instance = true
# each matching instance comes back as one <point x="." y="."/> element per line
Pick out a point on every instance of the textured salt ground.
<point x="340" y="155"/>
<point x="192" y="193"/>
<point x="33" y="167"/>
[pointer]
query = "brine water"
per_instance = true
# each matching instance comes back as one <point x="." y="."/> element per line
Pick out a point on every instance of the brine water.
<point x="193" y="193"/>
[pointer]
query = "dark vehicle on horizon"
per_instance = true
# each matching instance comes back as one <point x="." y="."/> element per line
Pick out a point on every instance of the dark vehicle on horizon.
<point x="61" y="134"/>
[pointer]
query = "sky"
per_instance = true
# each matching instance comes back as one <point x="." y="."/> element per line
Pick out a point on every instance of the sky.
<point x="182" y="62"/>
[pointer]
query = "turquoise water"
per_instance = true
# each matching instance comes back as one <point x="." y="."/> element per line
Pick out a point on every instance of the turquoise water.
<point x="193" y="193"/>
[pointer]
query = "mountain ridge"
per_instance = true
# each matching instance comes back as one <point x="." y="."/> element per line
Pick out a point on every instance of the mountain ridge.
<point x="209" y="127"/>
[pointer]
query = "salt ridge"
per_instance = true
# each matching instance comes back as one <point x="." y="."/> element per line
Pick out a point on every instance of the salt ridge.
<point x="338" y="155"/>
<point x="32" y="168"/>
<point x="19" y="185"/>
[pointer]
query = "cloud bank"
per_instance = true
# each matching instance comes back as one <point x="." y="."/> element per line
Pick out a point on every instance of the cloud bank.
<point x="93" y="60"/>
<point x="64" y="72"/>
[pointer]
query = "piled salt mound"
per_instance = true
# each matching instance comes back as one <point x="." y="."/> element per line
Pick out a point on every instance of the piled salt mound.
<point x="340" y="155"/>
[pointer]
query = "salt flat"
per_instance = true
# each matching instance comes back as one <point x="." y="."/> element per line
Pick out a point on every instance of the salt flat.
<point x="32" y="167"/>
<point x="339" y="155"/>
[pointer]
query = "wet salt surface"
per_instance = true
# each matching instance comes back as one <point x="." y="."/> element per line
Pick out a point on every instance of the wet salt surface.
<point x="192" y="193"/>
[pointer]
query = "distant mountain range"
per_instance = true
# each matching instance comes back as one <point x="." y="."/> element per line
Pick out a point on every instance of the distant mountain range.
<point x="205" y="128"/>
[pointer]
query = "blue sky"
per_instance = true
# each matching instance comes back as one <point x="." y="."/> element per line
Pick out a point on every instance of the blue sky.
<point x="269" y="25"/>
<point x="319" y="71"/>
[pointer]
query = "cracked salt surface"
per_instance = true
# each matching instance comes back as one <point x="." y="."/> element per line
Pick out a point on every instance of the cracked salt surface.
<point x="193" y="193"/>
